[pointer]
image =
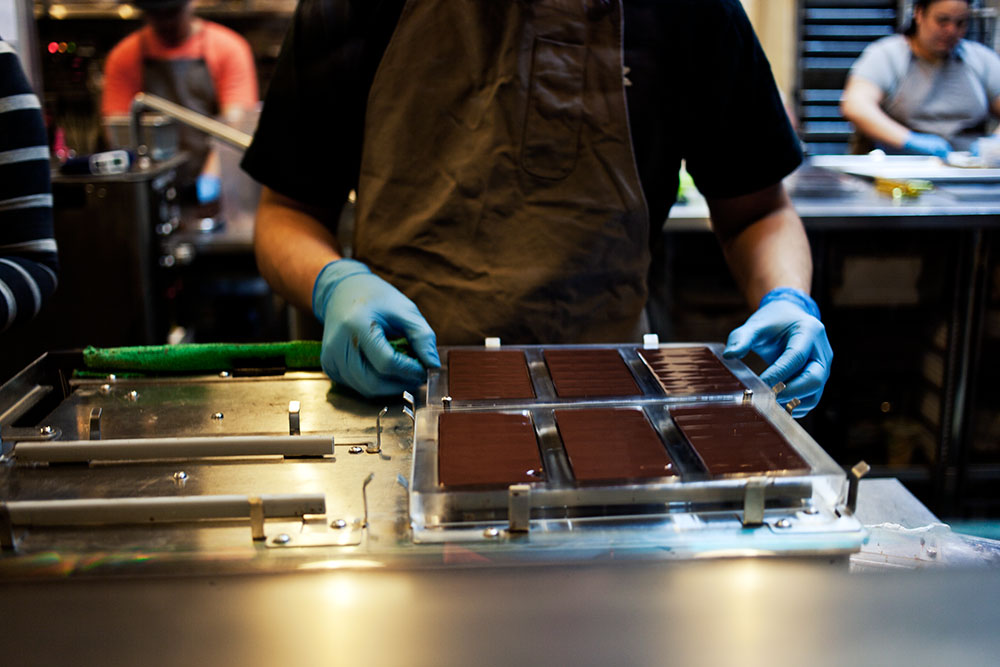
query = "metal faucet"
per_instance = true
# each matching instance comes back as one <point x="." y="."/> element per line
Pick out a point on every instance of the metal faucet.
<point x="206" y="124"/>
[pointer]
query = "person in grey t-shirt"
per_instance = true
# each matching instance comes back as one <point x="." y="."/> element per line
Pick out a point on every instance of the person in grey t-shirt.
<point x="926" y="91"/>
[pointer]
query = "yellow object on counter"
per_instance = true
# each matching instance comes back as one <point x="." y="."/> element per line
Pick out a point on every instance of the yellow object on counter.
<point x="900" y="188"/>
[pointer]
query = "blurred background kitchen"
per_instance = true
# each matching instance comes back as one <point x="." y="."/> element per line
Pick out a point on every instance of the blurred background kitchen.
<point x="906" y="276"/>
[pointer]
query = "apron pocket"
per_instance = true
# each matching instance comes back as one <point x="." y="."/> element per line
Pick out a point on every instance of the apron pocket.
<point x="551" y="137"/>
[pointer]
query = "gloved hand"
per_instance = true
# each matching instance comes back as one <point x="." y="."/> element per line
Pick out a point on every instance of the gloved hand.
<point x="787" y="334"/>
<point x="209" y="187"/>
<point x="927" y="144"/>
<point x="360" y="311"/>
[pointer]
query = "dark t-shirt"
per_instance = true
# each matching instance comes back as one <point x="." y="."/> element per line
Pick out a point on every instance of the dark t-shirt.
<point x="701" y="91"/>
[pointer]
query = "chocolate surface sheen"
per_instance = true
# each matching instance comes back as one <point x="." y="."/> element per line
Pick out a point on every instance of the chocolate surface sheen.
<point x="487" y="449"/>
<point x="482" y="374"/>
<point x="736" y="439"/>
<point x="606" y="444"/>
<point x="583" y="373"/>
<point x="690" y="370"/>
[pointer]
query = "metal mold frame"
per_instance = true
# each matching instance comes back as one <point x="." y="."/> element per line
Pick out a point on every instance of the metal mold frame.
<point x="691" y="504"/>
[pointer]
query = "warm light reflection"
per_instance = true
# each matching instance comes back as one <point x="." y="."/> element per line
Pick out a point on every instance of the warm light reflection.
<point x="341" y="564"/>
<point x="126" y="11"/>
<point x="57" y="11"/>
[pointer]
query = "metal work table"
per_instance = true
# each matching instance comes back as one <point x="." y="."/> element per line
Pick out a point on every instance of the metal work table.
<point x="348" y="586"/>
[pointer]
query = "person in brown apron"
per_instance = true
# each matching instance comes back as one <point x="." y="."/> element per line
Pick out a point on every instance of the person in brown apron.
<point x="927" y="91"/>
<point x="498" y="195"/>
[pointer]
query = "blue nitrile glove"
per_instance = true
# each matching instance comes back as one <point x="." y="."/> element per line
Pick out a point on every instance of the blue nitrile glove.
<point x="209" y="188"/>
<point x="927" y="144"/>
<point x="360" y="311"/>
<point x="787" y="334"/>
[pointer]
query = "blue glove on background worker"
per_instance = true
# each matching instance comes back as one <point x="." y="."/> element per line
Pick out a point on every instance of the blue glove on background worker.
<point x="209" y="188"/>
<point x="787" y="334"/>
<point x="359" y="311"/>
<point x="927" y="144"/>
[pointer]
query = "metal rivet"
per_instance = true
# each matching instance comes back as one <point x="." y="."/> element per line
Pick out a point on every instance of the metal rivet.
<point x="339" y="523"/>
<point x="356" y="449"/>
<point x="224" y="374"/>
<point x="218" y="415"/>
<point x="811" y="510"/>
<point x="282" y="538"/>
<point x="180" y="474"/>
<point x="46" y="430"/>
<point x="105" y="389"/>
<point x="491" y="532"/>
<point x="783" y="523"/>
<point x="132" y="395"/>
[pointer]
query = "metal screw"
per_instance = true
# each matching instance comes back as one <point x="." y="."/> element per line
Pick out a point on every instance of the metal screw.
<point x="180" y="475"/>
<point x="282" y="538"/>
<point x="339" y="523"/>
<point x="218" y="415"/>
<point x="491" y="532"/>
<point x="783" y="523"/>
<point x="132" y="395"/>
<point x="105" y="389"/>
<point x="356" y="449"/>
<point x="46" y="430"/>
<point x="223" y="374"/>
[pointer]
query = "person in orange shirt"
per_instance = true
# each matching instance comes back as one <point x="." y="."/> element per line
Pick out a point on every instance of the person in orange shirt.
<point x="201" y="65"/>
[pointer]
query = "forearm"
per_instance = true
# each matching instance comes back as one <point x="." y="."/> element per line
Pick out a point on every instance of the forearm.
<point x="772" y="252"/>
<point x="292" y="245"/>
<point x="861" y="106"/>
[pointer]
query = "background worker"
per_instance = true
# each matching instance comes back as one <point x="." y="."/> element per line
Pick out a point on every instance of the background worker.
<point x="505" y="186"/>
<point x="927" y="91"/>
<point x="198" y="64"/>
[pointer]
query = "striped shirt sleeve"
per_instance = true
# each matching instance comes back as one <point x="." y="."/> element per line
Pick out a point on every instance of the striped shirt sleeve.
<point x="28" y="258"/>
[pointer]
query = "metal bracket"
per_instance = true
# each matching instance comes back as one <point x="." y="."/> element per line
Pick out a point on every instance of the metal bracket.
<point x="95" y="423"/>
<point x="859" y="470"/>
<point x="376" y="447"/>
<point x="753" y="502"/>
<point x="256" y="518"/>
<point x="410" y="408"/>
<point x="293" y="418"/>
<point x="519" y="508"/>
<point x="40" y="434"/>
<point x="364" y="495"/>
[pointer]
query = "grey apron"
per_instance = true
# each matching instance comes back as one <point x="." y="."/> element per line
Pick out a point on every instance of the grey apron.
<point x="498" y="188"/>
<point x="187" y="82"/>
<point x="951" y="103"/>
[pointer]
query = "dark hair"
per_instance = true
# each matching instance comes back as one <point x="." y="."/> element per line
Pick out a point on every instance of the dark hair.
<point x="911" y="28"/>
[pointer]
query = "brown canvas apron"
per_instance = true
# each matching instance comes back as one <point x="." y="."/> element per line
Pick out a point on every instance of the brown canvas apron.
<point x="184" y="81"/>
<point x="498" y="188"/>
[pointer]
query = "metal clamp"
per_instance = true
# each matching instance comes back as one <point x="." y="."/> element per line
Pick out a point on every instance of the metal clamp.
<point x="753" y="501"/>
<point x="410" y="408"/>
<point x="859" y="470"/>
<point x="256" y="518"/>
<point x="95" y="423"/>
<point x="519" y="508"/>
<point x="293" y="418"/>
